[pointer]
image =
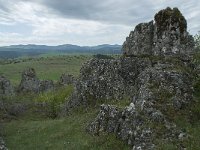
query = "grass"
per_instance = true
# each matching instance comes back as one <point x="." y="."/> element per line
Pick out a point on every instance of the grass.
<point x="37" y="131"/>
<point x="46" y="67"/>
<point x="54" y="100"/>
<point x="67" y="133"/>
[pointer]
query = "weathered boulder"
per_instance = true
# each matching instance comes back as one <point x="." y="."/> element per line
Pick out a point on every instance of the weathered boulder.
<point x="66" y="79"/>
<point x="167" y="36"/>
<point x="6" y="88"/>
<point x="46" y="85"/>
<point x="164" y="85"/>
<point x="29" y="82"/>
<point x="128" y="124"/>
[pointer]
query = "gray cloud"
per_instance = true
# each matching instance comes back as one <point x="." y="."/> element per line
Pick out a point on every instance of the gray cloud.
<point x="110" y="11"/>
<point x="126" y="12"/>
<point x="94" y="19"/>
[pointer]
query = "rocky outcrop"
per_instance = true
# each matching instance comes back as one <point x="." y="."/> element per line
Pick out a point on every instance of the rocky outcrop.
<point x="128" y="124"/>
<point x="46" y="85"/>
<point x="167" y="36"/>
<point x="66" y="79"/>
<point x="140" y="41"/>
<point x="31" y="83"/>
<point x="106" y="79"/>
<point x="155" y="73"/>
<point x="160" y="92"/>
<point x="6" y="88"/>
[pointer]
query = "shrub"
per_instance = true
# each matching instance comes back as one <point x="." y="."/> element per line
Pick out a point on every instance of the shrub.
<point x="52" y="100"/>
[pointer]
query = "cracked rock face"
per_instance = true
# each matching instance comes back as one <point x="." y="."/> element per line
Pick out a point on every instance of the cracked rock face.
<point x="140" y="41"/>
<point x="6" y="88"/>
<point x="167" y="36"/>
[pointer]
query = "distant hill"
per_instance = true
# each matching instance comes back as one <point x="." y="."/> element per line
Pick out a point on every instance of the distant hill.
<point x="14" y="51"/>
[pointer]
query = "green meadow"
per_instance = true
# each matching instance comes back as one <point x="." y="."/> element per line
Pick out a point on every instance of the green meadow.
<point x="47" y="67"/>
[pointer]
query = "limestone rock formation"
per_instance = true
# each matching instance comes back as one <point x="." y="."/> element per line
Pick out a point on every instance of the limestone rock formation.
<point x="155" y="74"/>
<point x="158" y="94"/>
<point x="167" y="36"/>
<point x="107" y="79"/>
<point x="46" y="85"/>
<point x="6" y="88"/>
<point x="31" y="83"/>
<point x="66" y="79"/>
<point x="140" y="41"/>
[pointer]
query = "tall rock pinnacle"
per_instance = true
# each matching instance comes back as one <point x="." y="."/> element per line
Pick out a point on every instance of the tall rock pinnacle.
<point x="165" y="36"/>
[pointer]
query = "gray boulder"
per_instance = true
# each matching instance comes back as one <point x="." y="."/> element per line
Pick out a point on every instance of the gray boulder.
<point x="6" y="88"/>
<point x="29" y="82"/>
<point x="66" y="79"/>
<point x="46" y="85"/>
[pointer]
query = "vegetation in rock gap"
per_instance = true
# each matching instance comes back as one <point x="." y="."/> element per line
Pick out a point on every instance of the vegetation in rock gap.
<point x="53" y="100"/>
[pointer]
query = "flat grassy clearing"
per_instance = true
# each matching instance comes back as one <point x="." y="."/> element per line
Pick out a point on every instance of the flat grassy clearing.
<point x="59" y="134"/>
<point x="46" y="67"/>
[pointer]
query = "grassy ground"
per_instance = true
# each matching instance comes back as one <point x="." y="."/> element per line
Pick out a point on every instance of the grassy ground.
<point x="46" y="67"/>
<point x="68" y="133"/>
<point x="35" y="130"/>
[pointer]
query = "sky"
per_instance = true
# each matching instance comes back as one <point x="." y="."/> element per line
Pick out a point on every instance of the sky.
<point x="83" y="22"/>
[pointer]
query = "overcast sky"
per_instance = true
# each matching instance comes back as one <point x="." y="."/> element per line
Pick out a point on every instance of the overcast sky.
<point x="83" y="22"/>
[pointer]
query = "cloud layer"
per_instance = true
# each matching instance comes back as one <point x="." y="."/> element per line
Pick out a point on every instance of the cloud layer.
<point x="83" y="22"/>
